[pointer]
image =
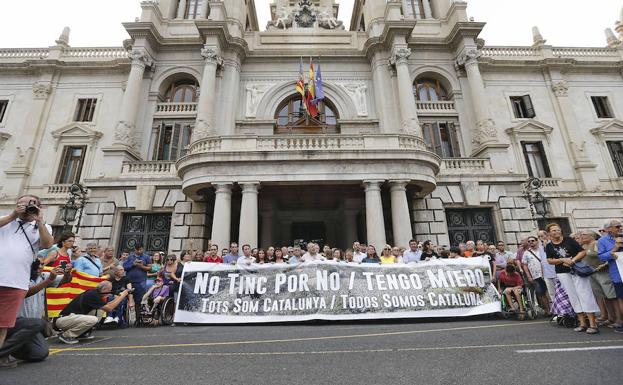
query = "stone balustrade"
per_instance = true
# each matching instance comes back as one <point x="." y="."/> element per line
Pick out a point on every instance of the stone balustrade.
<point x="583" y="52"/>
<point x="57" y="190"/>
<point x="550" y="183"/>
<point x="560" y="52"/>
<point x="460" y="165"/>
<point x="147" y="169"/>
<point x="509" y="51"/>
<point x="306" y="142"/>
<point x="24" y="53"/>
<point x="439" y="107"/>
<point x="176" y="109"/>
<point x="95" y="52"/>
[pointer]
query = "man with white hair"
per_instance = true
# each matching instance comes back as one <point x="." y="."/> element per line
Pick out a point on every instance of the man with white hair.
<point x="607" y="247"/>
<point x="90" y="262"/>
<point x="76" y="319"/>
<point x="312" y="253"/>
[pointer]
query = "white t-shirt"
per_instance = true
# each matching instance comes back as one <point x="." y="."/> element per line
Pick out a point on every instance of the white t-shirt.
<point x="534" y="265"/>
<point x="16" y="255"/>
<point x="358" y="257"/>
<point x="245" y="261"/>
<point x="34" y="306"/>
<point x="309" y="258"/>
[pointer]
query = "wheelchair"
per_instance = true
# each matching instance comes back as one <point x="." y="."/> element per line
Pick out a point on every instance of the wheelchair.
<point x="528" y="301"/>
<point x="160" y="314"/>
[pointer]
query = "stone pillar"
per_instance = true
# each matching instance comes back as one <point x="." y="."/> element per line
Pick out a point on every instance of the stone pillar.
<point x="485" y="128"/>
<point x="401" y="222"/>
<point x="204" y="125"/>
<point x="181" y="8"/>
<point x="230" y="85"/>
<point x="267" y="225"/>
<point x="248" y="215"/>
<point x="124" y="132"/>
<point x="375" y="225"/>
<point x="408" y="110"/>
<point x="428" y="13"/>
<point x="203" y="14"/>
<point x="221" y="222"/>
<point x="384" y="100"/>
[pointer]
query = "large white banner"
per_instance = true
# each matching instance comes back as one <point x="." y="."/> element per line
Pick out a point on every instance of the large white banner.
<point x="219" y="293"/>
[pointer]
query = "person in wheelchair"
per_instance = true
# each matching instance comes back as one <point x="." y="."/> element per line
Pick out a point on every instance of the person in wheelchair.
<point x="153" y="299"/>
<point x="510" y="283"/>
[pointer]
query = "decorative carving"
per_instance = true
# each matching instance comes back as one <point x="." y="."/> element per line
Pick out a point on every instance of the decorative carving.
<point x="140" y="58"/>
<point x="63" y="39"/>
<point x="468" y="57"/>
<point x="306" y="15"/>
<point x="4" y="137"/>
<point x="123" y="134"/>
<point x="411" y="126"/>
<point x="202" y="129"/>
<point x="358" y="94"/>
<point x="400" y="56"/>
<point x="485" y="132"/>
<point x="284" y="20"/>
<point x="560" y="88"/>
<point x="254" y="95"/>
<point x="211" y="55"/>
<point x="326" y="20"/>
<point x="537" y="38"/>
<point x="41" y="90"/>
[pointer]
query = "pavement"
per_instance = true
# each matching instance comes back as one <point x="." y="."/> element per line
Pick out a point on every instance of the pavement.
<point x="479" y="350"/>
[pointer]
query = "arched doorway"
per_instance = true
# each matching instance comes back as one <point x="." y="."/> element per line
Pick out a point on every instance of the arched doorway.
<point x="292" y="119"/>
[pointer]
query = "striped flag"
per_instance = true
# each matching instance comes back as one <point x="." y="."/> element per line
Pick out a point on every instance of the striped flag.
<point x="59" y="297"/>
<point x="300" y="85"/>
<point x="311" y="90"/>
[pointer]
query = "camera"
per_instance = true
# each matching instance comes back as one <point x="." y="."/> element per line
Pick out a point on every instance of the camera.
<point x="31" y="208"/>
<point x="130" y="291"/>
<point x="63" y="265"/>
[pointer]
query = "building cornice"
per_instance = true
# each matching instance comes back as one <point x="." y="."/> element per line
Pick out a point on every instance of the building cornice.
<point x="218" y="29"/>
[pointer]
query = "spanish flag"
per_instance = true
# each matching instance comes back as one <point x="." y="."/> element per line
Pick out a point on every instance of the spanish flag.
<point x="311" y="90"/>
<point x="59" y="297"/>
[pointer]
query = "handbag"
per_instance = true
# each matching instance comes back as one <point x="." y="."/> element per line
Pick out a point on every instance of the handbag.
<point x="581" y="269"/>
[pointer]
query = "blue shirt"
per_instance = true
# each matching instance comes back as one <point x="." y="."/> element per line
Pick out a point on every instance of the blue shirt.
<point x="134" y="273"/>
<point x="229" y="258"/>
<point x="371" y="260"/>
<point x="84" y="265"/>
<point x="411" y="256"/>
<point x="293" y="259"/>
<point x="605" y="244"/>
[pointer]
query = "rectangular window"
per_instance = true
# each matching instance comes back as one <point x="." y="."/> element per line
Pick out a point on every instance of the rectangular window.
<point x="522" y="107"/>
<point x="193" y="9"/>
<point x="535" y="159"/>
<point x="616" y="152"/>
<point x="172" y="140"/>
<point x="71" y="165"/>
<point x="442" y="139"/>
<point x="602" y="107"/>
<point x="85" y="110"/>
<point x="4" y="105"/>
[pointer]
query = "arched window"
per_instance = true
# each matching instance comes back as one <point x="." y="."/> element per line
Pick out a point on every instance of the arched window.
<point x="181" y="91"/>
<point x="429" y="90"/>
<point x="291" y="118"/>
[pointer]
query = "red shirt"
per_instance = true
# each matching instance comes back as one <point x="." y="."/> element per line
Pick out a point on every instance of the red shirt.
<point x="510" y="280"/>
<point x="60" y="258"/>
<point x="211" y="259"/>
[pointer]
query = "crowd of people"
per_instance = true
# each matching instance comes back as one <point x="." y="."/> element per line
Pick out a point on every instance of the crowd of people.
<point x="567" y="274"/>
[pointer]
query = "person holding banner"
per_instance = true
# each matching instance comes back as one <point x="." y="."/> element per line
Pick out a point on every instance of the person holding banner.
<point x="312" y="253"/>
<point x="371" y="256"/>
<point x="386" y="256"/>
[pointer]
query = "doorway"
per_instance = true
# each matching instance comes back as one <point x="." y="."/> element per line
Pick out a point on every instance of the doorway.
<point x="309" y="232"/>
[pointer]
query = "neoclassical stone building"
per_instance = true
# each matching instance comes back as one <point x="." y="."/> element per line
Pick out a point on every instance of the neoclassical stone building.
<point x="192" y="130"/>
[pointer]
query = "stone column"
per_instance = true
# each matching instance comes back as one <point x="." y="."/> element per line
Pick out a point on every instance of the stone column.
<point x="124" y="132"/>
<point x="408" y="110"/>
<point x="401" y="221"/>
<point x="181" y="8"/>
<point x="428" y="13"/>
<point x="204" y="125"/>
<point x="267" y="225"/>
<point x="375" y="225"/>
<point x="485" y="128"/>
<point x="221" y="222"/>
<point x="248" y="215"/>
<point x="385" y="104"/>
<point x="203" y="14"/>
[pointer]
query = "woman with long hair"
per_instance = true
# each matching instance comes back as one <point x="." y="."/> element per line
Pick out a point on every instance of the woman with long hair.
<point x="261" y="256"/>
<point x="62" y="254"/>
<point x="427" y="251"/>
<point x="278" y="256"/>
<point x="156" y="265"/>
<point x="563" y="252"/>
<point x="371" y="256"/>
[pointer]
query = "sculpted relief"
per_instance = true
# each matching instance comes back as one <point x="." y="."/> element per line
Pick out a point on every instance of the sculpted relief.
<point x="305" y="15"/>
<point x="358" y="92"/>
<point x="255" y="92"/>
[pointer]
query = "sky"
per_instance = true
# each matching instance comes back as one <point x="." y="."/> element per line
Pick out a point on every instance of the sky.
<point x="38" y="23"/>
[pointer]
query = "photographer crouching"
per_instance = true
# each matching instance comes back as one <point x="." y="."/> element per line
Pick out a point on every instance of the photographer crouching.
<point x="22" y="234"/>
<point x="76" y="320"/>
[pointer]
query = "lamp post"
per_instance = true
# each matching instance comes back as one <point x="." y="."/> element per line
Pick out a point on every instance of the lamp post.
<point x="74" y="205"/>
<point x="539" y="205"/>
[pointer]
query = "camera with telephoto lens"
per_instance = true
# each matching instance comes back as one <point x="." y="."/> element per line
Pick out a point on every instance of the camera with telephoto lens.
<point x="31" y="208"/>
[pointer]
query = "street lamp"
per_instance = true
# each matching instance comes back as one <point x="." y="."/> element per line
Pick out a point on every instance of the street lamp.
<point x="74" y="205"/>
<point x="539" y="205"/>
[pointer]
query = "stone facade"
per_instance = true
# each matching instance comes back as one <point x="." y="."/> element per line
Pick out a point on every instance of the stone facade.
<point x="185" y="127"/>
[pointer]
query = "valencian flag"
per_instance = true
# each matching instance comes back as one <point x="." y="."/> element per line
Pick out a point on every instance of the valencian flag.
<point x="300" y="85"/>
<point x="59" y="297"/>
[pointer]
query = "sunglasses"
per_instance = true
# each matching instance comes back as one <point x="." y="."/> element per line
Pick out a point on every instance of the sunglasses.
<point x="170" y="259"/>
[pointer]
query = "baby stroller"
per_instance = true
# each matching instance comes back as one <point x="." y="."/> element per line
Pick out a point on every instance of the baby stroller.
<point x="561" y="307"/>
<point x="527" y="300"/>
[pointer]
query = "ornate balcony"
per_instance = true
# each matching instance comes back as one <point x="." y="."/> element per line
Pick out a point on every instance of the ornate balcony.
<point x="148" y="170"/>
<point x="176" y="110"/>
<point x="348" y="158"/>
<point x="436" y="108"/>
<point x="465" y="165"/>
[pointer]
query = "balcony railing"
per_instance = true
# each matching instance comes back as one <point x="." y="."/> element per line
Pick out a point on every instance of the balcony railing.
<point x="550" y="183"/>
<point x="306" y="142"/>
<point x="441" y="107"/>
<point x="148" y="169"/>
<point x="176" y="109"/>
<point x="96" y="52"/>
<point x="24" y="53"/>
<point x="58" y="190"/>
<point x="459" y="165"/>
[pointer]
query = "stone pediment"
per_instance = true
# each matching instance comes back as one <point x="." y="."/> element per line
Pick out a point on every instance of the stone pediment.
<point x="611" y="128"/>
<point x="76" y="133"/>
<point x="530" y="127"/>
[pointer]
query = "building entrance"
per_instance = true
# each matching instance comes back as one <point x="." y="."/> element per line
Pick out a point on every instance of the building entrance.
<point x="309" y="232"/>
